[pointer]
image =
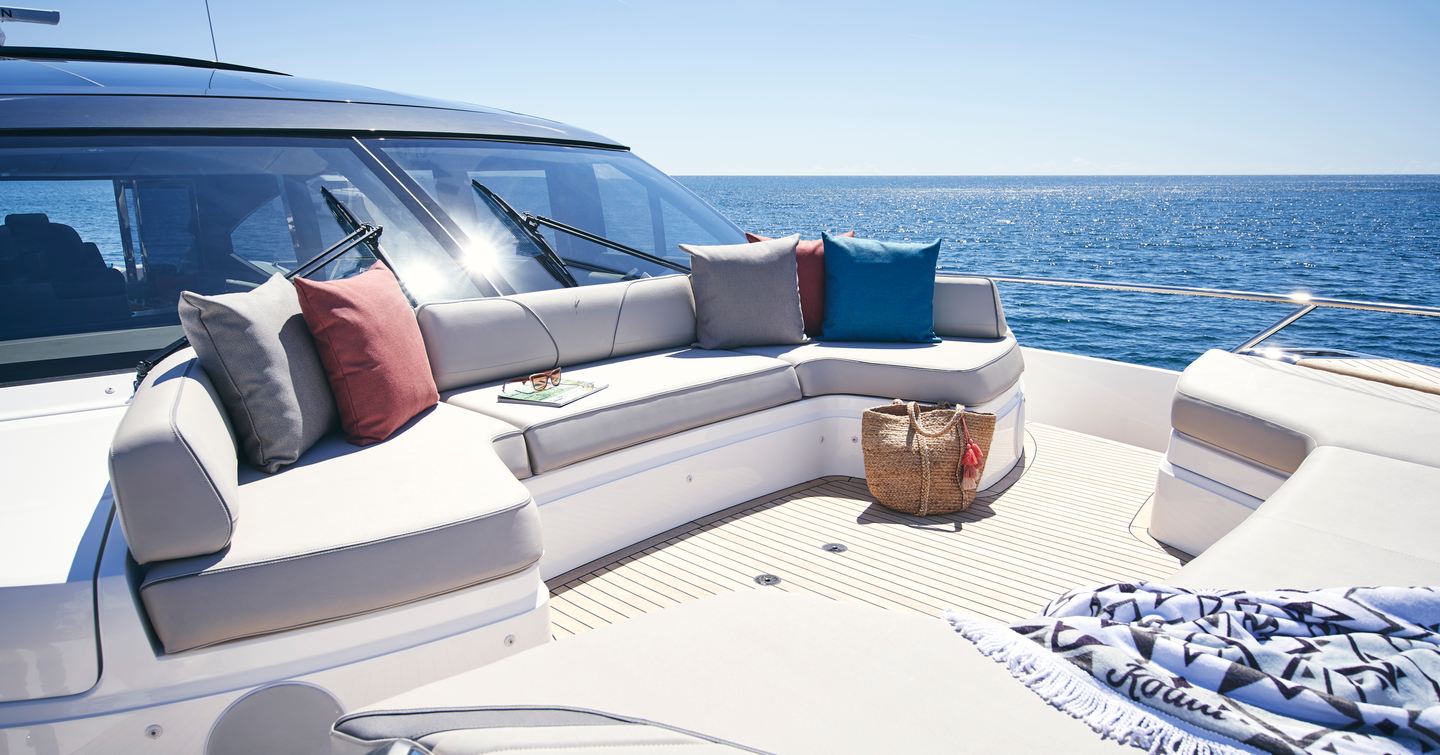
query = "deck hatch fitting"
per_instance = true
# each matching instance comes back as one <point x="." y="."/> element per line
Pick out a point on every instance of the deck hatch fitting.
<point x="767" y="580"/>
<point x="834" y="548"/>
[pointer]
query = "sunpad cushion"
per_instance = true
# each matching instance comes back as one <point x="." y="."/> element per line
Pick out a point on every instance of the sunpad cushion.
<point x="328" y="538"/>
<point x="648" y="396"/>
<point x="956" y="370"/>
<point x="258" y="352"/>
<point x="1344" y="518"/>
<point x="870" y="680"/>
<point x="1276" y="413"/>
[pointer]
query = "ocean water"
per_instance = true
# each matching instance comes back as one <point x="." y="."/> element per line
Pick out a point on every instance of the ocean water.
<point x="1359" y="237"/>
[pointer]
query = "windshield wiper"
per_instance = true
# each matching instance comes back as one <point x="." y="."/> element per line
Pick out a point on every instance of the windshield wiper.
<point x="530" y="223"/>
<point x="548" y="259"/>
<point x="352" y="225"/>
<point x="535" y="221"/>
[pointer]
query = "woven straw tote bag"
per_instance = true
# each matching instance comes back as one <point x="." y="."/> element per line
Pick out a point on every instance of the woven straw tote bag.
<point x="916" y="457"/>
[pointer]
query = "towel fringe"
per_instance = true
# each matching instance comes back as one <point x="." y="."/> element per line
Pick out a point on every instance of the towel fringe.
<point x="1108" y="714"/>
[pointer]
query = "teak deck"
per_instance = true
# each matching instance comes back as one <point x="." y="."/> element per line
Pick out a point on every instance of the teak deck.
<point x="1073" y="513"/>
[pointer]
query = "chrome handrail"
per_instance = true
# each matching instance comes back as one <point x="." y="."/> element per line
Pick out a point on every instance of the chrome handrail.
<point x="1306" y="302"/>
<point x="1297" y="297"/>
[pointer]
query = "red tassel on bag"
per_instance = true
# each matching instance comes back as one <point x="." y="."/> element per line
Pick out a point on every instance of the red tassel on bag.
<point x="970" y="461"/>
<point x="972" y="458"/>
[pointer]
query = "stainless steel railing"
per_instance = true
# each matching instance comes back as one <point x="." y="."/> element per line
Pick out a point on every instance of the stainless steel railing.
<point x="1306" y="303"/>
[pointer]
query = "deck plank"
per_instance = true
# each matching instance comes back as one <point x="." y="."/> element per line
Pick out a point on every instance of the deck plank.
<point x="1073" y="514"/>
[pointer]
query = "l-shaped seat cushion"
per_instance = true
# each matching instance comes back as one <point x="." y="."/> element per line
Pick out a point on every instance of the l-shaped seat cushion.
<point x="331" y="537"/>
<point x="967" y="371"/>
<point x="1344" y="518"/>
<point x="1276" y="413"/>
<point x="647" y="396"/>
<point x="772" y="671"/>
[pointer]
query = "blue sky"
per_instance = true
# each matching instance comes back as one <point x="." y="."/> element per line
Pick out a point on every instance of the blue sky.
<point x="894" y="87"/>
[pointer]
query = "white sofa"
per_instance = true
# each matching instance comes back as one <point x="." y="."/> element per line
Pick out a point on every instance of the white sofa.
<point x="1281" y="453"/>
<point x="226" y="552"/>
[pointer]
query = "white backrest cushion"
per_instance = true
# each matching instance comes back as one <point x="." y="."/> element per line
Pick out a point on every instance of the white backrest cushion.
<point x="968" y="308"/>
<point x="476" y="341"/>
<point x="473" y="341"/>
<point x="581" y="320"/>
<point x="656" y="313"/>
<point x="173" y="465"/>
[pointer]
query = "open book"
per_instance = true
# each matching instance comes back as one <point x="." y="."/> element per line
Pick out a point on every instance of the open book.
<point x="560" y="395"/>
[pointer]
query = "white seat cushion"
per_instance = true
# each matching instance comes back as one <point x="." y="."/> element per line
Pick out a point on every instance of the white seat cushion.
<point x="767" y="670"/>
<point x="956" y="370"/>
<point x="1344" y="518"/>
<point x="1276" y="413"/>
<point x="648" y="396"/>
<point x="348" y="529"/>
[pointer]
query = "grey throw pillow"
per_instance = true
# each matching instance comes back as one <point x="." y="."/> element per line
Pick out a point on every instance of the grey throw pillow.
<point x="258" y="352"/>
<point x="746" y="294"/>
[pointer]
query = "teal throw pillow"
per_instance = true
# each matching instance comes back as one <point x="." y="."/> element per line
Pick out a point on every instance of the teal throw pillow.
<point x="879" y="290"/>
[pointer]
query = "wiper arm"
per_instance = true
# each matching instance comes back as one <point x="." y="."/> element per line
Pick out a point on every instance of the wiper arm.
<point x="535" y="221"/>
<point x="548" y="259"/>
<point x="353" y="226"/>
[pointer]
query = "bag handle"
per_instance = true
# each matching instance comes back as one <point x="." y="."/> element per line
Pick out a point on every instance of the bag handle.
<point x="913" y="409"/>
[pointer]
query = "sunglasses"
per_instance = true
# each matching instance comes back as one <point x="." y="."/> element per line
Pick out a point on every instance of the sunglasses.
<point x="538" y="381"/>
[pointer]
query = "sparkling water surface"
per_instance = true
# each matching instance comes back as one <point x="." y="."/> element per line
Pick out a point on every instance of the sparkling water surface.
<point x="1356" y="237"/>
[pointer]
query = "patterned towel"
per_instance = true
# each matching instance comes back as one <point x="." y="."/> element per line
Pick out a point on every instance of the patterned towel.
<point x="1352" y="670"/>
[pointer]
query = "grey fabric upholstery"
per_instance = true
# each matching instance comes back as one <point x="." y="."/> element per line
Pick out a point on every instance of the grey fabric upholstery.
<point x="348" y="530"/>
<point x="845" y="678"/>
<point x="477" y="341"/>
<point x="959" y="371"/>
<point x="649" y="396"/>
<point x="467" y="731"/>
<point x="572" y="740"/>
<point x="746" y="294"/>
<point x="968" y="308"/>
<point x="173" y="465"/>
<point x="508" y="442"/>
<point x="655" y="313"/>
<point x="1276" y="413"/>
<point x="258" y="352"/>
<point x="1344" y="518"/>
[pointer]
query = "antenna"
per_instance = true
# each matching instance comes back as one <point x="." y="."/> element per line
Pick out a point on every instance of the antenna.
<point x="215" y="51"/>
<point x="29" y="16"/>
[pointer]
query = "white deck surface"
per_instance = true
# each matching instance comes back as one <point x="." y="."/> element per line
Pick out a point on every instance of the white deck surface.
<point x="1073" y="514"/>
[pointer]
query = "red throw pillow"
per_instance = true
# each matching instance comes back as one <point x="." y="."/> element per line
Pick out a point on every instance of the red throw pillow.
<point x="810" y="265"/>
<point x="372" y="350"/>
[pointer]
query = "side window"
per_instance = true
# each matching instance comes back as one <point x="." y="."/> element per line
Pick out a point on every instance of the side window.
<point x="62" y="262"/>
<point x="98" y="240"/>
<point x="267" y="237"/>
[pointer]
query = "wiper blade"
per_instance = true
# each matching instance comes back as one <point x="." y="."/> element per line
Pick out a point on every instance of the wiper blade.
<point x="593" y="267"/>
<point x="353" y="226"/>
<point x="548" y="259"/>
<point x="535" y="221"/>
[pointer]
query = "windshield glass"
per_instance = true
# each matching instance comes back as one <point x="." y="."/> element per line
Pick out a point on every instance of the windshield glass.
<point x="99" y="237"/>
<point x="609" y="193"/>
